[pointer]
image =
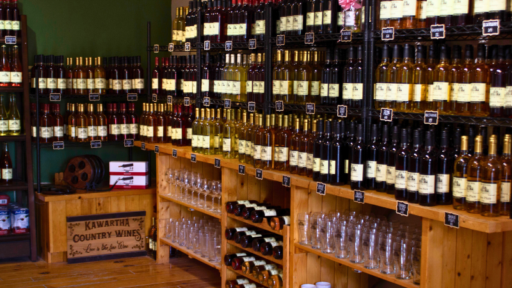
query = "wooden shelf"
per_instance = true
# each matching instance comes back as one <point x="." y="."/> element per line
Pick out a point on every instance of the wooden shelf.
<point x="190" y="253"/>
<point x="263" y="225"/>
<point x="250" y="250"/>
<point x="188" y="205"/>
<point x="17" y="138"/>
<point x="239" y="272"/>
<point x="82" y="194"/>
<point x="15" y="185"/>
<point x="375" y="272"/>
<point x="10" y="89"/>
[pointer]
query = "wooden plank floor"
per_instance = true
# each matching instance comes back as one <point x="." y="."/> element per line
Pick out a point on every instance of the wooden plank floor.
<point x="130" y="272"/>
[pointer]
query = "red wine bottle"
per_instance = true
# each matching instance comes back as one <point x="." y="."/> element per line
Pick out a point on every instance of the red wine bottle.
<point x="402" y="165"/>
<point x="258" y="215"/>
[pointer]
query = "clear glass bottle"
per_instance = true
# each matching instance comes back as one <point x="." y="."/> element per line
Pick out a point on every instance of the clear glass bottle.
<point x="491" y="181"/>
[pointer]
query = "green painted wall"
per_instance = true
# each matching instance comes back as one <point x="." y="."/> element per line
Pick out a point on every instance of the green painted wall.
<point x="93" y="28"/>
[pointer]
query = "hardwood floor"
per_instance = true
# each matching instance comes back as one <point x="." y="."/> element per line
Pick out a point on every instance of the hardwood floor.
<point x="130" y="272"/>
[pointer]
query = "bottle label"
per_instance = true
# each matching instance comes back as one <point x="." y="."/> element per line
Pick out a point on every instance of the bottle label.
<point x="248" y="87"/>
<point x="418" y="93"/>
<point x="51" y="83"/>
<point x="15" y="77"/>
<point x="409" y="8"/>
<point x="102" y="131"/>
<point x="508" y="97"/>
<point x="326" y="17"/>
<point x="8" y="25"/>
<point x="310" y="161"/>
<point x="283" y="154"/>
<point x="134" y="129"/>
<point x="345" y="167"/>
<point x="92" y="131"/>
<point x="433" y="8"/>
<point x="390" y="175"/>
<point x="478" y="92"/>
<point x="276" y="87"/>
<point x="289" y="23"/>
<point x="357" y="91"/>
<point x="332" y="167"/>
<point x="459" y="187"/>
<point x="381" y="172"/>
<point x="247" y="259"/>
<point x="240" y="281"/>
<point x="505" y="192"/>
<point x="268" y="213"/>
<point x="499" y="5"/>
<point x="261" y="86"/>
<point x="260" y="27"/>
<point x="396" y="9"/>
<point x="71" y="131"/>
<point x="34" y="130"/>
<point x="70" y="84"/>
<point x="497" y="97"/>
<point x="205" y="85"/>
<point x="316" y="164"/>
<point x="115" y="129"/>
<point x="348" y="88"/>
<point x="422" y="13"/>
<point x="447" y="8"/>
<point x="381" y="88"/>
<point x="443" y="183"/>
<point x="226" y="144"/>
<point x="61" y="82"/>
<point x="454" y="92"/>
<point x="310" y="19"/>
<point x="6" y="173"/>
<point x="324" y="90"/>
<point x="385" y="12"/>
<point x="249" y="150"/>
<point x="413" y="181"/>
<point x="46" y="132"/>
<point x="154" y="84"/>
<point x="2" y="25"/>
<point x="324" y="167"/>
<point x="302" y="159"/>
<point x="489" y="193"/>
<point x="242" y="29"/>
<point x="159" y="131"/>
<point x="241" y="146"/>
<point x="82" y="133"/>
<point x="302" y="88"/>
<point x="266" y="153"/>
<point x="371" y="169"/>
<point x="178" y="133"/>
<point x="125" y="129"/>
<point x="315" y="88"/>
<point x="257" y="152"/>
<point x="194" y="140"/>
<point x="100" y="83"/>
<point x="441" y="91"/>
<point x="318" y="18"/>
<point x="90" y="84"/>
<point x="427" y="184"/>
<point x="403" y="92"/>
<point x="334" y="90"/>
<point x="142" y="130"/>
<point x="463" y="93"/>
<point x="391" y="90"/>
<point x="5" y="77"/>
<point x="341" y="18"/>
<point x="356" y="172"/>
<point x="14" y="125"/>
<point x="149" y="131"/>
<point x="294" y="158"/>
<point x="286" y="87"/>
<point x="298" y="22"/>
<point x="127" y="84"/>
<point x="401" y="179"/>
<point x="235" y="87"/>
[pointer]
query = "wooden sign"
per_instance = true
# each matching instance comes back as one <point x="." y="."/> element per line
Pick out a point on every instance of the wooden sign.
<point x="105" y="236"/>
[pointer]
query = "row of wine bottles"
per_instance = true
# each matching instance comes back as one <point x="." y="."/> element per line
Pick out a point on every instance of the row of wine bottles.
<point x="410" y="81"/>
<point x="276" y="217"/>
<point x="11" y="70"/>
<point x="263" y="242"/>
<point x="120" y="75"/>
<point x="10" y="20"/>
<point x="10" y="120"/>
<point x="266" y="272"/>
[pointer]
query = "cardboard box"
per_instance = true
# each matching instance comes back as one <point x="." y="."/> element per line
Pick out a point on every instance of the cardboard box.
<point x="133" y="168"/>
<point x="130" y="182"/>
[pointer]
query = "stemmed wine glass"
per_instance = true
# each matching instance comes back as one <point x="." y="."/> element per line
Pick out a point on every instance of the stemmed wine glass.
<point x="217" y="190"/>
<point x="184" y="182"/>
<point x="169" y="175"/>
<point x="191" y="185"/>
<point x="205" y="190"/>
<point x="196" y="187"/>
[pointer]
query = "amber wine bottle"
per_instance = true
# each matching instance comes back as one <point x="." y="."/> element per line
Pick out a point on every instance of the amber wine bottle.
<point x="460" y="176"/>
<point x="491" y="181"/>
<point x="475" y="178"/>
<point x="506" y="176"/>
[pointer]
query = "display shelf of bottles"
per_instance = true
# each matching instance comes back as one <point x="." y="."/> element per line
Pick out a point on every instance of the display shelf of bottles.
<point x="248" y="276"/>
<point x="86" y="96"/>
<point x="263" y="225"/>
<point x="472" y="120"/>
<point x="374" y="272"/>
<point x="15" y="237"/>
<point x="191" y="206"/>
<point x="356" y="37"/>
<point x="250" y="250"/>
<point x="13" y="185"/>
<point x="320" y="109"/>
<point x="190" y="254"/>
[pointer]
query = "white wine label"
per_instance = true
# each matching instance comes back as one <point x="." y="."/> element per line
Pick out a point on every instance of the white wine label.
<point x="505" y="192"/>
<point x="310" y="19"/>
<point x="357" y="91"/>
<point x="92" y="131"/>
<point x="154" y="83"/>
<point x="454" y="92"/>
<point x="295" y="85"/>
<point x="100" y="83"/>
<point x="257" y="152"/>
<point x="14" y="125"/>
<point x="45" y="132"/>
<point x="51" y="83"/>
<point x="427" y="184"/>
<point x="508" y="97"/>
<point x="269" y="212"/>
<point x="341" y="18"/>
<point x="418" y="92"/>
<point x="380" y="91"/>
<point x="15" y="25"/>
<point x="194" y="140"/>
<point x="430" y="92"/>
<point x="248" y="86"/>
<point x="315" y="88"/>
<point x="266" y="153"/>
<point x="247" y="259"/>
<point x="413" y="181"/>
<point x="356" y="172"/>
<point x="216" y="141"/>
<point x="34" y="131"/>
<point x="371" y="169"/>
<point x="241" y="146"/>
<point x="193" y="86"/>
<point x="170" y="132"/>
<point x="294" y="158"/>
<point x="380" y="172"/>
<point x="149" y="131"/>
<point x="134" y="129"/>
<point x="90" y="83"/>
<point x="390" y="175"/>
<point x="324" y="90"/>
<point x="309" y="162"/>
<point x="298" y="22"/>
<point x="409" y="8"/>
<point x="69" y="83"/>
<point x="6" y="173"/>
<point x="260" y="85"/>
<point x="326" y="17"/>
<point x="464" y="93"/>
<point x="71" y="131"/>
<point x="441" y="91"/>
<point x="82" y="133"/>
<point x="318" y="18"/>
<point x="273" y="244"/>
<point x="61" y="82"/>
<point x="159" y="131"/>
<point x="316" y="164"/>
<point x="348" y="89"/>
<point x="276" y="87"/>
<point x="395" y="9"/>
<point x="302" y="88"/>
<point x="443" y="183"/>
<point x="289" y="23"/>
<point x="205" y="85"/>
<point x="403" y="92"/>
<point x="125" y="129"/>
<point x="284" y="153"/>
<point x="459" y="187"/>
<point x="345" y="167"/>
<point x="260" y="27"/>
<point x="447" y="8"/>
<point x="116" y="84"/>
<point x="249" y="150"/>
<point x="385" y="12"/>
<point x="5" y="77"/>
<point x="324" y="166"/>
<point x="498" y="5"/>
<point x="401" y="179"/>
<point x="206" y="142"/>
<point x="497" y="97"/>
<point x="433" y="7"/>
<point x="8" y="25"/>
<point x="303" y="156"/>
<point x="332" y="167"/>
<point x="478" y="91"/>
<point x="334" y="90"/>
<point x="103" y="131"/>
<point x="489" y="193"/>
<point x="391" y="90"/>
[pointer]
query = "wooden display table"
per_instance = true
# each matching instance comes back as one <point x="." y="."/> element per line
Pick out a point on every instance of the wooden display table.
<point x="52" y="210"/>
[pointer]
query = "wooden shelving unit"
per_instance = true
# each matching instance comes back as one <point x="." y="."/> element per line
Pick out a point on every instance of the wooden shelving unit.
<point x="190" y="253"/>
<point x="190" y="206"/>
<point x="248" y="276"/>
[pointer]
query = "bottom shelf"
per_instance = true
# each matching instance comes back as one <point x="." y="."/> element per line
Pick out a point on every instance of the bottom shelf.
<point x="239" y="272"/>
<point x="190" y="254"/>
<point x="374" y="272"/>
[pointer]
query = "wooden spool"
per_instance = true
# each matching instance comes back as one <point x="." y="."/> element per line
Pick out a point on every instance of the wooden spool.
<point x="83" y="170"/>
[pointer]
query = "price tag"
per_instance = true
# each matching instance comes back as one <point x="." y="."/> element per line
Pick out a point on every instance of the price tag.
<point x="217" y="163"/>
<point x="346" y="36"/>
<point x="154" y="98"/>
<point x="157" y="149"/>
<point x="259" y="174"/>
<point x="207" y="45"/>
<point x="342" y="111"/>
<point x="309" y="38"/>
<point x="186" y="101"/>
<point x="279" y="106"/>
<point x="437" y="31"/>
<point x="451" y="220"/>
<point x="58" y="145"/>
<point x="10" y="40"/>
<point x="359" y="196"/>
<point x="228" y="45"/>
<point x="156" y="48"/>
<point x="387" y="34"/>
<point x="320" y="188"/>
<point x="227" y="104"/>
<point x="402" y="208"/>
<point x="287" y="182"/>
<point x="55" y="97"/>
<point x="280" y="40"/>
<point x="386" y="114"/>
<point x="431" y="117"/>
<point x="129" y="142"/>
<point x="310" y="108"/>
<point x="94" y="97"/>
<point x="251" y="106"/>
<point x="96" y="144"/>
<point x="174" y="153"/>
<point x="170" y="48"/>
<point x="206" y="101"/>
<point x="489" y="28"/>
<point x="187" y="46"/>
<point x="132" y="97"/>
<point x="169" y="99"/>
<point x="193" y="158"/>
<point x="143" y="146"/>
<point x="241" y="169"/>
<point x="252" y="44"/>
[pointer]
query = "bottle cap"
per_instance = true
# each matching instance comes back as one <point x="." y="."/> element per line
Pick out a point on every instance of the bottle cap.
<point x="408" y="51"/>
<point x="464" y="143"/>
<point x="397" y="51"/>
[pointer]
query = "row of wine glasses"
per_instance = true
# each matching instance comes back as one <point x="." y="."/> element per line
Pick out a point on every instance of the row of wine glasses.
<point x="374" y="242"/>
<point x="201" y="235"/>
<point x="193" y="188"/>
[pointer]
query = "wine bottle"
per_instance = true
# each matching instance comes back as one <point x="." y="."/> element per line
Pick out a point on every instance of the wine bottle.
<point x="402" y="166"/>
<point x="491" y="181"/>
<point x="391" y="164"/>
<point x="258" y="242"/>
<point x="428" y="171"/>
<point x="14" y="119"/>
<point x="230" y="232"/>
<point x="498" y="74"/>
<point x="338" y="155"/>
<point x="326" y="80"/>
<point x="372" y="157"/>
<point x="357" y="161"/>
<point x="235" y="283"/>
<point x="348" y="78"/>
<point x="506" y="176"/>
<point x="239" y="261"/>
<point x="317" y="150"/>
<point x="444" y="171"/>
<point x="391" y="87"/>
<point x="326" y="154"/>
<point x="460" y="176"/>
<point x="382" y="161"/>
<point x="419" y="81"/>
<point x="475" y="177"/>
<point x="479" y="105"/>
<point x="404" y="81"/>
<point x="228" y="258"/>
<point x="381" y="73"/>
<point x="6" y="165"/>
<point x="258" y="215"/>
<point x="413" y="172"/>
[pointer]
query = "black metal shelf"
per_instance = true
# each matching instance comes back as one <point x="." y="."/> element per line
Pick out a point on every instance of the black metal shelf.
<point x="70" y="144"/>
<point x="327" y="109"/>
<point x="17" y="138"/>
<point x="16" y="185"/>
<point x="86" y="97"/>
<point x="322" y="38"/>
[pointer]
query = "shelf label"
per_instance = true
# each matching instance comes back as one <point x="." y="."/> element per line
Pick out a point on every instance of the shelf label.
<point x="10" y="40"/>
<point x="174" y="153"/>
<point x="251" y="106"/>
<point x="346" y="36"/>
<point x="206" y="101"/>
<point x="129" y="142"/>
<point x="359" y="196"/>
<point x="490" y="28"/>
<point x="310" y="108"/>
<point x="154" y="98"/>
<point x="143" y="146"/>
<point x="58" y="145"/>
<point x="387" y="34"/>
<point x="156" y="48"/>
<point x="193" y="158"/>
<point x="342" y="111"/>
<point x="287" y="182"/>
<point x="437" y="31"/>
<point x="187" y="46"/>
<point x="253" y="44"/>
<point x="451" y="220"/>
<point x="169" y="99"/>
<point x="207" y="45"/>
<point x="157" y="149"/>
<point x="309" y="38"/>
<point x="217" y="163"/>
<point x="280" y="40"/>
<point x="132" y="97"/>
<point x="96" y="144"/>
<point x="228" y="45"/>
<point x="170" y="48"/>
<point x="320" y="188"/>
<point x="186" y="101"/>
<point x="94" y="97"/>
<point x="241" y="169"/>
<point x="402" y="208"/>
<point x="431" y="117"/>
<point x="279" y="106"/>
<point x="55" y="97"/>
<point x="259" y="174"/>
<point x="227" y="103"/>
<point x="386" y="114"/>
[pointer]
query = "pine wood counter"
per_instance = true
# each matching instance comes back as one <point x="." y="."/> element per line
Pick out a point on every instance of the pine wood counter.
<point x="52" y="210"/>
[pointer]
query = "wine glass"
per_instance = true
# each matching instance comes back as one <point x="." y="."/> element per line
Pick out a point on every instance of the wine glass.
<point x="184" y="180"/>
<point x="190" y="187"/>
<point x="177" y="178"/>
<point x="215" y="194"/>
<point x="218" y="192"/>
<point x="169" y="178"/>
<point x="206" y="190"/>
